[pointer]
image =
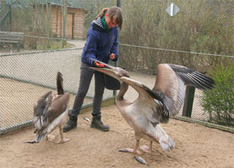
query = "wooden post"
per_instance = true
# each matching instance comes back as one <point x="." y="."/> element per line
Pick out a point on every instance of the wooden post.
<point x="188" y="103"/>
<point x="48" y="23"/>
<point x="64" y="21"/>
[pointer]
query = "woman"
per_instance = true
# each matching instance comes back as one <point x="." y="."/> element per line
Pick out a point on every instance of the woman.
<point x="101" y="44"/>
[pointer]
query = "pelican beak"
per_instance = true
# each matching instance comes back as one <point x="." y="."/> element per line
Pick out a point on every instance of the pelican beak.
<point x="106" y="65"/>
<point x="106" y="68"/>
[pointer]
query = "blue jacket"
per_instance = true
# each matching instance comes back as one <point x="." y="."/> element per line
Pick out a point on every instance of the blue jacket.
<point x="100" y="43"/>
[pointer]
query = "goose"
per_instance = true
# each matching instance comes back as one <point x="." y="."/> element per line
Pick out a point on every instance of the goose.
<point x="50" y="112"/>
<point x="154" y="106"/>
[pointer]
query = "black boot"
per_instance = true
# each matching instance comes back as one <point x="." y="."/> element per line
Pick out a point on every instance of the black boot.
<point x="72" y="123"/>
<point x="98" y="124"/>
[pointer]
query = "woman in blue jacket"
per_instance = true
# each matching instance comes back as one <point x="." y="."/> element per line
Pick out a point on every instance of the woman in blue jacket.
<point x="101" y="44"/>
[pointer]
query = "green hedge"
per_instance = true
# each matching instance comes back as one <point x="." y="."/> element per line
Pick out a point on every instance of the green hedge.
<point x="219" y="102"/>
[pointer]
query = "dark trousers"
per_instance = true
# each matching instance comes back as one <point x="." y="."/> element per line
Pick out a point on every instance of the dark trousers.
<point x="86" y="75"/>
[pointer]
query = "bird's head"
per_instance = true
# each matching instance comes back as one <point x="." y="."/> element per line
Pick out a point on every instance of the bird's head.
<point x="115" y="72"/>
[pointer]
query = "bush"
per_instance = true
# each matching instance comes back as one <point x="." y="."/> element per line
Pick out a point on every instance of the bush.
<point x="219" y="102"/>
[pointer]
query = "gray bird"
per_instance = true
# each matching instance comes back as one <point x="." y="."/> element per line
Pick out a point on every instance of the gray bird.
<point x="50" y="112"/>
<point x="154" y="106"/>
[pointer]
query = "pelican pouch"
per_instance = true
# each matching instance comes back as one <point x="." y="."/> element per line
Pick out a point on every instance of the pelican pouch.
<point x="111" y="83"/>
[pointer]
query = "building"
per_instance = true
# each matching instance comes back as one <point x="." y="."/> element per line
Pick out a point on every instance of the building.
<point x="74" y="21"/>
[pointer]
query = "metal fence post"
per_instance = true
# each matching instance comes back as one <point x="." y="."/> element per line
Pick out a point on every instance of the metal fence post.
<point x="119" y="3"/>
<point x="116" y="63"/>
<point x="188" y="103"/>
<point x="10" y="21"/>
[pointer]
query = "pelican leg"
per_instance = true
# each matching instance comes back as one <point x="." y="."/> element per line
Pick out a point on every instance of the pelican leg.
<point x="146" y="148"/>
<point x="130" y="150"/>
<point x="61" y="134"/>
<point x="50" y="138"/>
<point x="62" y="139"/>
<point x="137" y="146"/>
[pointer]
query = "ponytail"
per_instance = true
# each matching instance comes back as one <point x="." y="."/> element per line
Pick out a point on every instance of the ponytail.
<point x="102" y="13"/>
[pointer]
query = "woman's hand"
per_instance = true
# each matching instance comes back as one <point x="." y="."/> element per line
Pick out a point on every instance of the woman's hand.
<point x="112" y="56"/>
<point x="100" y="65"/>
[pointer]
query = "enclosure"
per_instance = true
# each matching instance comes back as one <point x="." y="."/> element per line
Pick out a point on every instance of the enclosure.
<point x="197" y="34"/>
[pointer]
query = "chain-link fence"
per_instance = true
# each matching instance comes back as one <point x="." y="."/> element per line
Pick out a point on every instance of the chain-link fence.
<point x="26" y="76"/>
<point x="197" y="34"/>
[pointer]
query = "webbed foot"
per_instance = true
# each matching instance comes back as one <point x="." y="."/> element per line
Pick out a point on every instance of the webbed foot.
<point x="130" y="150"/>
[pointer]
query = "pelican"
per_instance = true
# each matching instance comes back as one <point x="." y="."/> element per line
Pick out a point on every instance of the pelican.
<point x="50" y="112"/>
<point x="154" y="106"/>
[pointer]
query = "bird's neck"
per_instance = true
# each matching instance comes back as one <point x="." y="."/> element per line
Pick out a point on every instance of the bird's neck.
<point x="122" y="91"/>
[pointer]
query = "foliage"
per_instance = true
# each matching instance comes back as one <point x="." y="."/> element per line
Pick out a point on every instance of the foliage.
<point x="31" y="18"/>
<point x="219" y="102"/>
<point x="201" y="26"/>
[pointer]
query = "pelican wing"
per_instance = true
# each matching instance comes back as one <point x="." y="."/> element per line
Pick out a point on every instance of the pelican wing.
<point x="193" y="78"/>
<point x="149" y="98"/>
<point x="40" y="109"/>
<point x="57" y="107"/>
<point x="171" y="81"/>
<point x="40" y="106"/>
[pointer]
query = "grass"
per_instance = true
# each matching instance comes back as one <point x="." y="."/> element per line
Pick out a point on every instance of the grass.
<point x="54" y="45"/>
<point x="38" y="45"/>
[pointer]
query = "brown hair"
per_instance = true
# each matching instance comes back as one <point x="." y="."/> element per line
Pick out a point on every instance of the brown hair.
<point x="113" y="12"/>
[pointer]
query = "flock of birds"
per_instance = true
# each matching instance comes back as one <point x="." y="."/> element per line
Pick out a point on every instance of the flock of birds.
<point x="144" y="115"/>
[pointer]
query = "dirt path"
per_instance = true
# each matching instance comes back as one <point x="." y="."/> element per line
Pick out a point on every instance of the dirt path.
<point x="196" y="146"/>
